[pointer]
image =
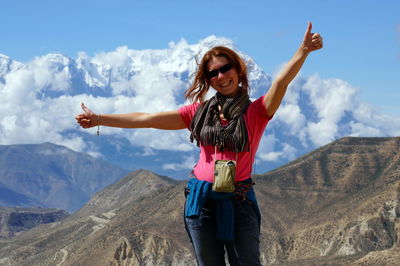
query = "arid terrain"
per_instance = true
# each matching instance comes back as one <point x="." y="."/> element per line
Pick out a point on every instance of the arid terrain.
<point x="339" y="205"/>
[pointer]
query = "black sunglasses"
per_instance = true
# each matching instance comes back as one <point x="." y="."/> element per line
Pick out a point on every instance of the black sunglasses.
<point x="225" y="68"/>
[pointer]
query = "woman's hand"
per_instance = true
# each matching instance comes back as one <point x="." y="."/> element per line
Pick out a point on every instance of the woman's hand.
<point x="311" y="41"/>
<point x="88" y="119"/>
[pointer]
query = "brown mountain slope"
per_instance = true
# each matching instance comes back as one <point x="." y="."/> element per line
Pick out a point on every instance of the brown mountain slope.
<point x="128" y="190"/>
<point x="339" y="205"/>
<point x="340" y="200"/>
<point x="85" y="231"/>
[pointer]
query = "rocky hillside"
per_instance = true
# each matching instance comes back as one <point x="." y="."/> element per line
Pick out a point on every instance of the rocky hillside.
<point x="339" y="205"/>
<point x="14" y="221"/>
<point x="104" y="225"/>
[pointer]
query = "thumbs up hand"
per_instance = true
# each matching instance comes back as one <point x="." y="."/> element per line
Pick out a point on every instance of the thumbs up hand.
<point x="87" y="119"/>
<point x="311" y="41"/>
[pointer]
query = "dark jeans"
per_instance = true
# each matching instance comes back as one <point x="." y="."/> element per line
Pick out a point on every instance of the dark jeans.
<point x="244" y="250"/>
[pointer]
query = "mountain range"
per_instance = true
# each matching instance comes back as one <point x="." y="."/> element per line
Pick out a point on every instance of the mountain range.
<point x="39" y="99"/>
<point x="337" y="205"/>
<point x="49" y="175"/>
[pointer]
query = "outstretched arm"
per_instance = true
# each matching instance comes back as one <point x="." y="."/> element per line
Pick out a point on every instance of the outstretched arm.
<point x="164" y="120"/>
<point x="274" y="96"/>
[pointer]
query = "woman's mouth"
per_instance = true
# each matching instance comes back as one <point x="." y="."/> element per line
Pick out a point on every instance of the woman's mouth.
<point x="225" y="84"/>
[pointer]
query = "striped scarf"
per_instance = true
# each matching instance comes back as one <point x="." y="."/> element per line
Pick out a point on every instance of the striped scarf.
<point x="206" y="127"/>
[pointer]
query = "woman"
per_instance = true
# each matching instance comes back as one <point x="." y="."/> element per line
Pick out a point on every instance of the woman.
<point x="227" y="128"/>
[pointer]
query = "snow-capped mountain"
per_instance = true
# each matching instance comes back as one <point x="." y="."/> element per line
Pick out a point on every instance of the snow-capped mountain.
<point x="39" y="99"/>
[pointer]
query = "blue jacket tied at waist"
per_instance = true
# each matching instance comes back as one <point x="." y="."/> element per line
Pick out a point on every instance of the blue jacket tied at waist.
<point x="200" y="191"/>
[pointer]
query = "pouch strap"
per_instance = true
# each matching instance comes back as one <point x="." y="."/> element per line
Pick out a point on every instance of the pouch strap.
<point x="215" y="155"/>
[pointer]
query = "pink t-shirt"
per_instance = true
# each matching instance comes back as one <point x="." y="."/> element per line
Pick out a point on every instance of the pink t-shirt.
<point x="256" y="120"/>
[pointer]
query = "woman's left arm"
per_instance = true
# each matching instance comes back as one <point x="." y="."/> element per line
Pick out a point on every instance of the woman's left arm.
<point x="274" y="96"/>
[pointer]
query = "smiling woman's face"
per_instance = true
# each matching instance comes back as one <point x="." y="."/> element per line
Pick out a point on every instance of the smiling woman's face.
<point x="225" y="83"/>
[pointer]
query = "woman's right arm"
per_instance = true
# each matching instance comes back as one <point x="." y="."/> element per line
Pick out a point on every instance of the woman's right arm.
<point x="170" y="120"/>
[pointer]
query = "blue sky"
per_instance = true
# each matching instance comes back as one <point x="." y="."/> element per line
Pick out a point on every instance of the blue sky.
<point x="362" y="38"/>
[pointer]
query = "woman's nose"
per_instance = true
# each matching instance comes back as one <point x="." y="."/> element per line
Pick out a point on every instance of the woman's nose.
<point x="220" y="75"/>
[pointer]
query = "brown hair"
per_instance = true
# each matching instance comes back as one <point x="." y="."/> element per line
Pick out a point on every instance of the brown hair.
<point x="201" y="83"/>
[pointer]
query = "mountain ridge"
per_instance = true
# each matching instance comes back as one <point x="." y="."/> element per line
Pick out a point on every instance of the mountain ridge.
<point x="51" y="175"/>
<point x="344" y="223"/>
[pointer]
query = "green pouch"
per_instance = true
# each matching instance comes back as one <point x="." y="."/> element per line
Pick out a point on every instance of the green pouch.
<point x="224" y="176"/>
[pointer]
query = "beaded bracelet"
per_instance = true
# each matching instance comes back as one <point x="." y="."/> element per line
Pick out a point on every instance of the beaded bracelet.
<point x="98" y="124"/>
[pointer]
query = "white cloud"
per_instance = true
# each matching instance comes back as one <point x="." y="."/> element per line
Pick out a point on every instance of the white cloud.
<point x="155" y="90"/>
<point x="51" y="72"/>
<point x="160" y="140"/>
<point x="187" y="163"/>
<point x="118" y="59"/>
<point x="272" y="149"/>
<point x="147" y="151"/>
<point x="330" y="97"/>
<point x="272" y="156"/>
<point x="287" y="152"/>
<point x="362" y="130"/>
<point x="18" y="90"/>
<point x="322" y="132"/>
<point x="294" y="93"/>
<point x="267" y="143"/>
<point x="291" y="115"/>
<point x="383" y="125"/>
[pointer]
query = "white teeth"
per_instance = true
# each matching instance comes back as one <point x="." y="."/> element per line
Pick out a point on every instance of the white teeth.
<point x="225" y="84"/>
